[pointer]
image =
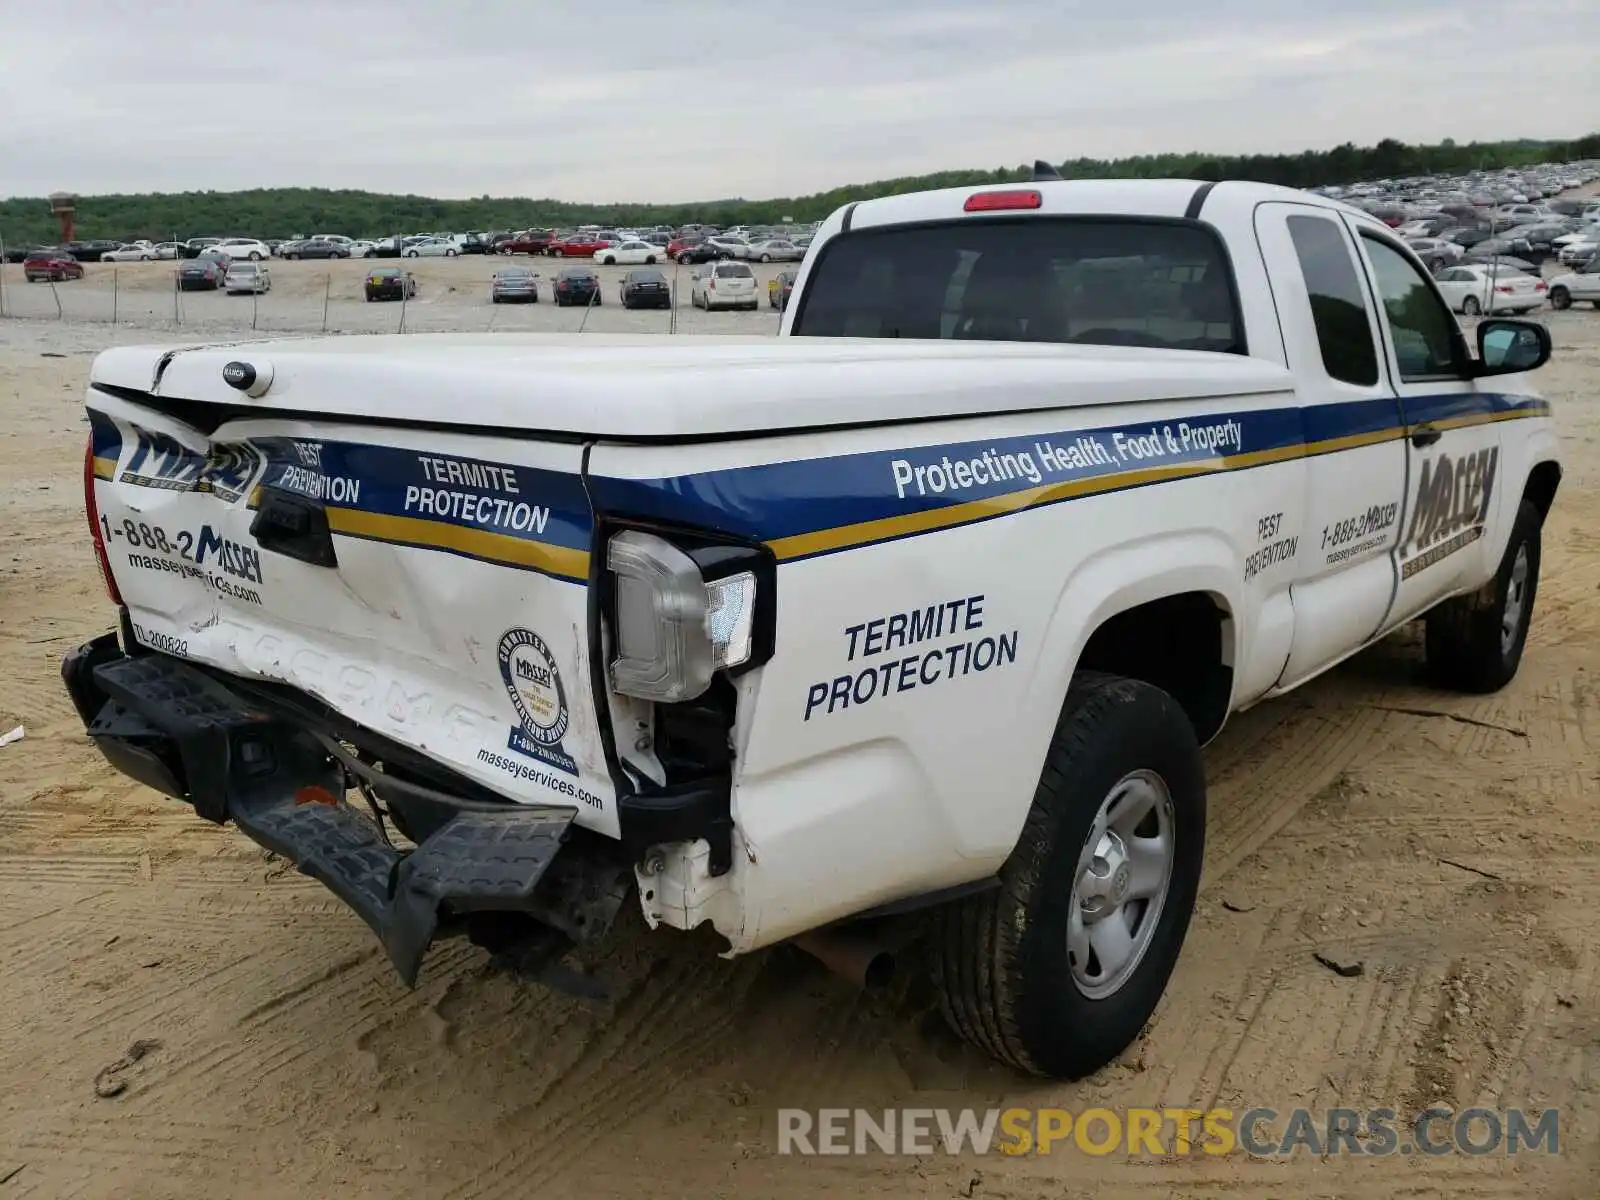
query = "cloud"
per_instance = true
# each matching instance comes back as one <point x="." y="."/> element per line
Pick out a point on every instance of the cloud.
<point x="712" y="99"/>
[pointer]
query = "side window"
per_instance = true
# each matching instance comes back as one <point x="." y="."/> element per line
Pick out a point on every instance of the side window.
<point x="1337" y="305"/>
<point x="1425" y="341"/>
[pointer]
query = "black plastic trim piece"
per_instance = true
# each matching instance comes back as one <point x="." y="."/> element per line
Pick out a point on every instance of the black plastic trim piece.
<point x="295" y="526"/>
<point x="1198" y="200"/>
<point x="849" y="216"/>
<point x="682" y="814"/>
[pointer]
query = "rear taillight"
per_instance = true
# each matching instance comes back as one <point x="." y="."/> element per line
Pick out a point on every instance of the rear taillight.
<point x="1506" y="288"/>
<point x="91" y="509"/>
<point x="1540" y="286"/>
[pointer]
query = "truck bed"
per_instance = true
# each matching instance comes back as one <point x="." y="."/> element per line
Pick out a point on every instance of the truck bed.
<point x="651" y="386"/>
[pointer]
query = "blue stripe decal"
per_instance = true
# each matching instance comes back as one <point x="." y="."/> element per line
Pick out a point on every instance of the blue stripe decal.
<point x="819" y="506"/>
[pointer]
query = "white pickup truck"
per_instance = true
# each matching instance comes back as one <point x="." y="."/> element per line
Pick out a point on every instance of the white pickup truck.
<point x="924" y="607"/>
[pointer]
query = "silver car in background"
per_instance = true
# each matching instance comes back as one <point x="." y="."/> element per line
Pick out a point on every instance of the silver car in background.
<point x="245" y="278"/>
<point x="514" y="285"/>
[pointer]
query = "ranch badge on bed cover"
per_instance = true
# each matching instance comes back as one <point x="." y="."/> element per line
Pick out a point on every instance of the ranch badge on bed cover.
<point x="533" y="681"/>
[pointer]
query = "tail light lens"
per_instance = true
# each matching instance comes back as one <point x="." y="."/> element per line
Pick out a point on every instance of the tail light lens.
<point x="1506" y="288"/>
<point x="674" y="628"/>
<point x="91" y="510"/>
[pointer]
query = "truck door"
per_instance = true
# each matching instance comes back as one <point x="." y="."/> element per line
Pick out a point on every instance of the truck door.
<point x="1344" y="578"/>
<point x="1451" y="527"/>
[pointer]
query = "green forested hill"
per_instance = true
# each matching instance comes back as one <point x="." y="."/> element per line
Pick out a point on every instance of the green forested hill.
<point x="277" y="212"/>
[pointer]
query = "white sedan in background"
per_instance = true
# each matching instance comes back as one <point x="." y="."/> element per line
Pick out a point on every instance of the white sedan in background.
<point x="246" y="248"/>
<point x="633" y="253"/>
<point x="131" y="252"/>
<point x="1472" y="290"/>
<point x="360" y="248"/>
<point x="432" y="248"/>
<point x="1582" y="284"/>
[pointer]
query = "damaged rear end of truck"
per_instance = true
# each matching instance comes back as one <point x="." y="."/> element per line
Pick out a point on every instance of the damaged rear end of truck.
<point x="379" y="648"/>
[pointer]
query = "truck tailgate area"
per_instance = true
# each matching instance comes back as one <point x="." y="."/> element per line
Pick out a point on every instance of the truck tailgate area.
<point x="371" y="568"/>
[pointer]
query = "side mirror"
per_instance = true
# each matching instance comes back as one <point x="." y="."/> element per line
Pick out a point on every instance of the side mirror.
<point x="1507" y="347"/>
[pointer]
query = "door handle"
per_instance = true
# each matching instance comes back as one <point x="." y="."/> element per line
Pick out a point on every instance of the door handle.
<point x="1425" y="435"/>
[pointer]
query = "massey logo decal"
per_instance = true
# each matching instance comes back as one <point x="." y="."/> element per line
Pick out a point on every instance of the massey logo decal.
<point x="532" y="680"/>
<point x="1451" y="505"/>
<point x="161" y="461"/>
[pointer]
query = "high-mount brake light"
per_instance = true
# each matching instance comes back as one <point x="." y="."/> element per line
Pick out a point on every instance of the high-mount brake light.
<point x="91" y="509"/>
<point x="1007" y="201"/>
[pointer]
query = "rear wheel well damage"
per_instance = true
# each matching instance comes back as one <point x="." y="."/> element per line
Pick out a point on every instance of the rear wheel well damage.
<point x="1180" y="644"/>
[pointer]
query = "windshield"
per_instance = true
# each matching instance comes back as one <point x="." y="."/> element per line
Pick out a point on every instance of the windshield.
<point x="1095" y="281"/>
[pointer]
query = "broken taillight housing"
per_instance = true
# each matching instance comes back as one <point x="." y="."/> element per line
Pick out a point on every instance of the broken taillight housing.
<point x="91" y="508"/>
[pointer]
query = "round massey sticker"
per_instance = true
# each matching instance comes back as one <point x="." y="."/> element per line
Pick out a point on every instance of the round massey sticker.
<point x="534" y="684"/>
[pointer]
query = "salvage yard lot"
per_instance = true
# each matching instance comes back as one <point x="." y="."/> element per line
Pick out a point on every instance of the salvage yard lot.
<point x="452" y="295"/>
<point x="1445" y="844"/>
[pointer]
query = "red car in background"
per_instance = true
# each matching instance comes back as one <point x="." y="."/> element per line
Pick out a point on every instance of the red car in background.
<point x="579" y="245"/>
<point x="529" y="241"/>
<point x="48" y="266"/>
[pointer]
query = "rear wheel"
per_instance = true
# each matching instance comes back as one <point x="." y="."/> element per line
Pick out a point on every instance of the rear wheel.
<point x="1474" y="643"/>
<point x="1470" y="306"/>
<point x="684" y="260"/>
<point x="255" y="256"/>
<point x="649" y="260"/>
<point x="1560" y="298"/>
<point x="1057" y="970"/>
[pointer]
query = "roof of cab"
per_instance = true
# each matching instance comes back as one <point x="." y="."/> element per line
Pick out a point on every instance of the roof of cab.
<point x="1170" y="198"/>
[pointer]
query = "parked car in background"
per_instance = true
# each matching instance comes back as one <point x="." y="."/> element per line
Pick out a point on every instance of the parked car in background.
<point x="1579" y="248"/>
<point x="701" y="251"/>
<point x="360" y="248"/>
<point x="728" y="245"/>
<point x="577" y="285"/>
<point x="166" y="251"/>
<point x="576" y="245"/>
<point x="246" y="278"/>
<point x="1582" y="284"/>
<point x="1472" y="289"/>
<point x="514" y="285"/>
<point x="646" y="288"/>
<point x="215" y="255"/>
<point x="246" y="248"/>
<point x="432" y="248"/>
<point x="683" y="242"/>
<point x="1436" y="253"/>
<point x="529" y="241"/>
<point x="775" y="250"/>
<point x="724" y="285"/>
<point x="389" y="283"/>
<point x="779" y="290"/>
<point x="90" y="251"/>
<point x="131" y="252"/>
<point x="193" y="247"/>
<point x="630" y="253"/>
<point x="52" y="265"/>
<point x="199" y="275"/>
<point x="1504" y="262"/>
<point x="314" y="248"/>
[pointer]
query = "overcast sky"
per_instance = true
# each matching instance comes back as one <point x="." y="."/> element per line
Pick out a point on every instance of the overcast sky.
<point x="628" y="100"/>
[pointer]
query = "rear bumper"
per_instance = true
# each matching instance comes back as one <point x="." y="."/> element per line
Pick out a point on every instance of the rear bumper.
<point x="187" y="734"/>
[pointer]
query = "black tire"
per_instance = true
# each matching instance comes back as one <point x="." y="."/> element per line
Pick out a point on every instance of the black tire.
<point x="1000" y="958"/>
<point x="1470" y="307"/>
<point x="649" y="260"/>
<point x="255" y="256"/>
<point x="684" y="260"/>
<point x="609" y="261"/>
<point x="1470" y="645"/>
<point x="1560" y="298"/>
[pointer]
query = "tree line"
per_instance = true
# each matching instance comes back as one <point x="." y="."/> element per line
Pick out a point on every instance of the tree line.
<point x="281" y="212"/>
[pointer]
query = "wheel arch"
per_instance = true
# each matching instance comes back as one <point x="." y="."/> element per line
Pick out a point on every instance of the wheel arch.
<point x="1176" y="627"/>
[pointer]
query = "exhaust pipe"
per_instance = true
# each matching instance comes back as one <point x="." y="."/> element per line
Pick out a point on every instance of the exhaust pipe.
<point x="862" y="960"/>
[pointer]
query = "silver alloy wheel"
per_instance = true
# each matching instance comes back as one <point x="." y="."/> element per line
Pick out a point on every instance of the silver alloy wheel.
<point x="1516" y="600"/>
<point x="1120" y="886"/>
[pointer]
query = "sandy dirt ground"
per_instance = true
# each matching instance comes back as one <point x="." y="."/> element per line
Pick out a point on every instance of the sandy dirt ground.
<point x="1447" y="844"/>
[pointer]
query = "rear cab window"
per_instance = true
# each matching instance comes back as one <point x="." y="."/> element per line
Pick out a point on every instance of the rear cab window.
<point x="1081" y="280"/>
<point x="733" y="271"/>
